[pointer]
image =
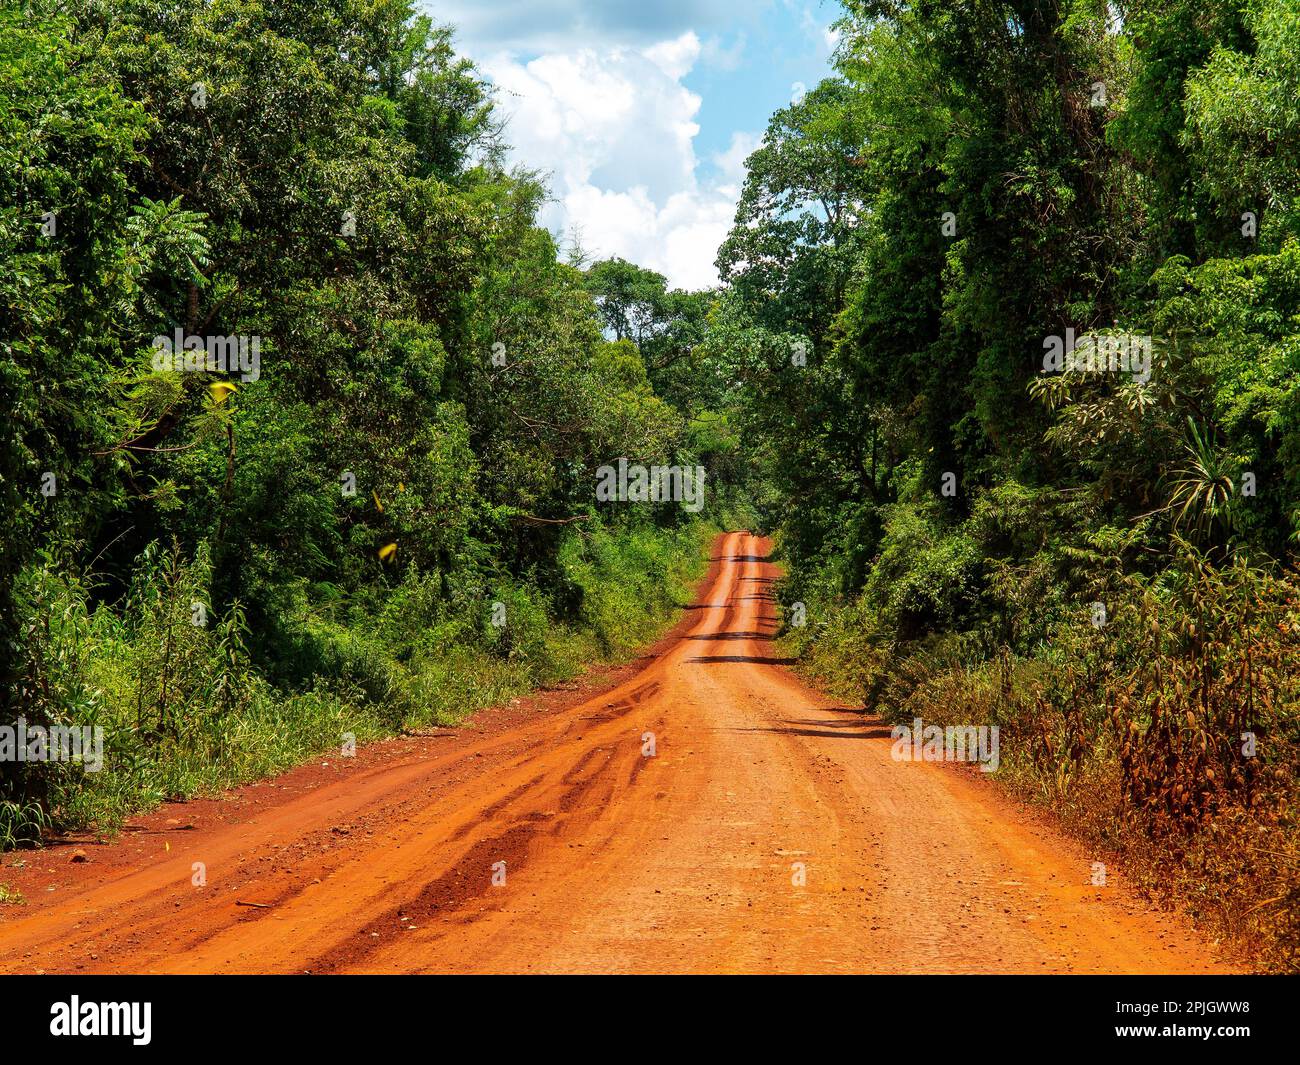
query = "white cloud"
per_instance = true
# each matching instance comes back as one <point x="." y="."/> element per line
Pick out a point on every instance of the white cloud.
<point x="677" y="57"/>
<point x="535" y="27"/>
<point x="724" y="58"/>
<point x="812" y="26"/>
<point x="731" y="163"/>
<point x="615" y="127"/>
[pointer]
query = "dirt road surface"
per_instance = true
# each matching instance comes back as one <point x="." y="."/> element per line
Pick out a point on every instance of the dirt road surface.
<point x="709" y="813"/>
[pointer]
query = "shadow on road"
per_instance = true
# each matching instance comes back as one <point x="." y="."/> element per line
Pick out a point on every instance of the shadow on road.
<point x="731" y="636"/>
<point x="835" y="730"/>
<point x="743" y="658"/>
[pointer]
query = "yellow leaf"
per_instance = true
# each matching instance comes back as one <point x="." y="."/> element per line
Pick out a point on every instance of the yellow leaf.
<point x="220" y="390"/>
<point x="377" y="503"/>
<point x="387" y="551"/>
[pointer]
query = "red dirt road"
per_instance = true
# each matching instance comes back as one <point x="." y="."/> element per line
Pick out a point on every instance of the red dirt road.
<point x="615" y="860"/>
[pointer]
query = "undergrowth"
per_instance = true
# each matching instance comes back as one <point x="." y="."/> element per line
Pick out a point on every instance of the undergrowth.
<point x="188" y="706"/>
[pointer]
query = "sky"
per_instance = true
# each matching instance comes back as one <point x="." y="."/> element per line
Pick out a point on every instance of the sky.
<point x="642" y="112"/>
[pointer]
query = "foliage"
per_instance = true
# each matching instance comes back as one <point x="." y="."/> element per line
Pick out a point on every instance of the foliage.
<point x="972" y="185"/>
<point x="228" y="565"/>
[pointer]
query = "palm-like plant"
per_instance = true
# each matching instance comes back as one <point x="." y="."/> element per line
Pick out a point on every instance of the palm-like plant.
<point x="1202" y="497"/>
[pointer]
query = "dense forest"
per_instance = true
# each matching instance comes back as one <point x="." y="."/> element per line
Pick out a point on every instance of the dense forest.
<point x="1005" y="355"/>
<point x="364" y="499"/>
<point x="1013" y="302"/>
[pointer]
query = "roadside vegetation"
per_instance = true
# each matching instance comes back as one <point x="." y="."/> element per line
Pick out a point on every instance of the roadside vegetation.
<point x="382" y="513"/>
<point x="187" y="710"/>
<point x="1098" y="561"/>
